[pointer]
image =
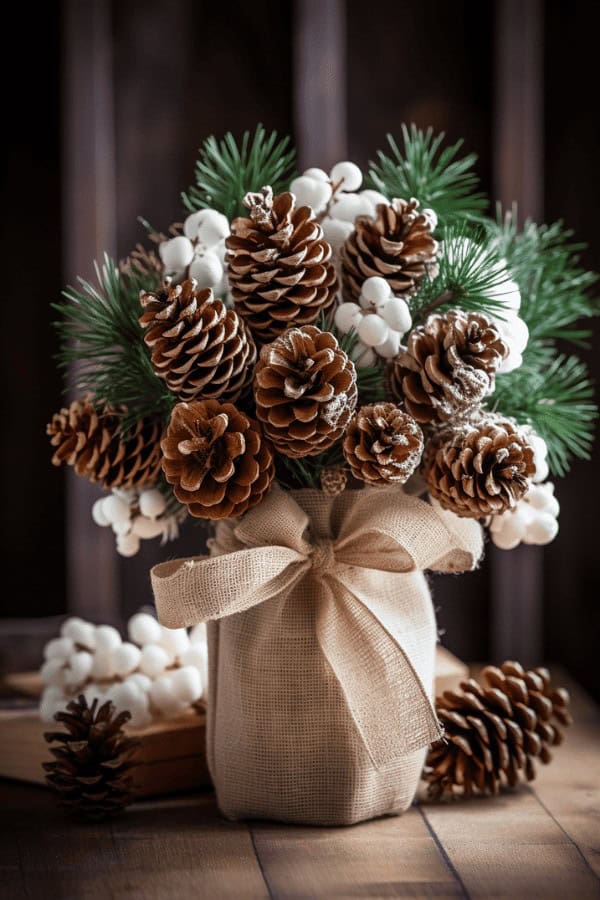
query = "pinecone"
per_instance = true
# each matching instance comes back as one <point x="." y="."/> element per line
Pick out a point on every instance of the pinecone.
<point x="448" y="366"/>
<point x="217" y="459"/>
<point x="396" y="245"/>
<point x="91" y="769"/>
<point x="92" y="441"/>
<point x="480" y="468"/>
<point x="305" y="391"/>
<point x="333" y="480"/>
<point x="383" y="444"/>
<point x="495" y="731"/>
<point x="279" y="267"/>
<point x="199" y="348"/>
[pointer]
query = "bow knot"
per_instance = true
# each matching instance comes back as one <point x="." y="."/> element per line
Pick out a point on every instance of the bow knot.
<point x="322" y="557"/>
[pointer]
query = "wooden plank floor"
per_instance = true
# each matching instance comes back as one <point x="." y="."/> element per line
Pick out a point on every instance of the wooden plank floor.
<point x="540" y="841"/>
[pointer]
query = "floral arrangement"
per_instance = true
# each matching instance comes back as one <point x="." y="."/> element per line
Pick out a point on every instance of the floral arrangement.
<point x="330" y="330"/>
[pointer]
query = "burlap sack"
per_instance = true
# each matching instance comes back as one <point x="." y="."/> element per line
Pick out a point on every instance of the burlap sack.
<point x="321" y="650"/>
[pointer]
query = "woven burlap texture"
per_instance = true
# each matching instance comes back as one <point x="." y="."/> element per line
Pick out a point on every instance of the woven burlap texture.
<point x="321" y="649"/>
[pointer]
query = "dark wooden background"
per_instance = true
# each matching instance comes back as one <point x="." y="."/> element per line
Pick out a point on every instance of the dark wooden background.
<point x="105" y="127"/>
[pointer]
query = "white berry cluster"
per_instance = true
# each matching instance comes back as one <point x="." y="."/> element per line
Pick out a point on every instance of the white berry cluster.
<point x="199" y="251"/>
<point x="336" y="199"/>
<point x="135" y="515"/>
<point x="158" y="673"/>
<point x="379" y="318"/>
<point x="532" y="521"/>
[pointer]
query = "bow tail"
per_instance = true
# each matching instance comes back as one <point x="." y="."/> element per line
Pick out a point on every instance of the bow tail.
<point x="372" y="669"/>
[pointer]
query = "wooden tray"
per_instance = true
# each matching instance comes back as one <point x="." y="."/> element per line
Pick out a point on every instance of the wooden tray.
<point x="171" y="756"/>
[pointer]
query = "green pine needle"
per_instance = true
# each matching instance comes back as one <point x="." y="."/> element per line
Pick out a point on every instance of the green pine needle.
<point x="469" y="271"/>
<point x="556" y="400"/>
<point x="226" y="171"/>
<point x="100" y="333"/>
<point x="435" y="175"/>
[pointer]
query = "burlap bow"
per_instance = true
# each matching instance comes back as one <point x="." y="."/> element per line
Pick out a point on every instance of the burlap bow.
<point x="362" y="635"/>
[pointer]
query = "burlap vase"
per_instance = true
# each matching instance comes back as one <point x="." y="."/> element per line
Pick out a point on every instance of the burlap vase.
<point x="321" y="649"/>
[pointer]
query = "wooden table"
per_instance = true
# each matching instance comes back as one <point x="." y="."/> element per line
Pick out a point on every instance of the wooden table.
<point x="540" y="841"/>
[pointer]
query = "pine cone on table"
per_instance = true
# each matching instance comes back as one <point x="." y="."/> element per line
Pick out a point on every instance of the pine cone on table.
<point x="448" y="366"/>
<point x="92" y="441"/>
<point x="199" y="348"/>
<point x="305" y="391"/>
<point x="397" y="245"/>
<point x="279" y="265"/>
<point x="217" y="459"/>
<point x="383" y="444"/>
<point x="92" y="762"/>
<point x="494" y="731"/>
<point x="478" y="469"/>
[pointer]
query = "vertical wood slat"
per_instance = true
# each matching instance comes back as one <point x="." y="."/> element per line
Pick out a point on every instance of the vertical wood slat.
<point x="517" y="577"/>
<point x="320" y="82"/>
<point x="89" y="218"/>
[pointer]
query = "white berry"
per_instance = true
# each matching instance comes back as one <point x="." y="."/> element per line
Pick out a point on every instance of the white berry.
<point x="198" y="633"/>
<point x="363" y="356"/>
<point x="310" y="192"/>
<point x="375" y="291"/>
<point x="80" y="632"/>
<point x="348" y="206"/>
<point x="506" y="539"/>
<point x="79" y="668"/>
<point x="336" y="231"/>
<point x="59" y="648"/>
<point x="98" y="513"/>
<point x="197" y="655"/>
<point x="126" y="658"/>
<point x="375" y="198"/>
<point x="51" y="701"/>
<point x="107" y="638"/>
<point x="147" y="528"/>
<point x="144" y="629"/>
<point x="397" y="314"/>
<point x="103" y="666"/>
<point x="207" y="269"/>
<point x="152" y="503"/>
<point x="542" y="529"/>
<point x="177" y="253"/>
<point x="192" y="224"/>
<point x="154" y="660"/>
<point x="52" y="672"/>
<point x="128" y="544"/>
<point x="187" y="684"/>
<point x="347" y="316"/>
<point x="141" y="681"/>
<point x="116" y="510"/>
<point x="317" y="174"/>
<point x="372" y="330"/>
<point x="348" y="173"/>
<point x="163" y="695"/>
<point x="175" y="640"/>
<point x="390" y="347"/>
<point x="212" y="227"/>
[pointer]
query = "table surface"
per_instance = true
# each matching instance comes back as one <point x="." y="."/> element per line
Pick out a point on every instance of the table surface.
<point x="542" y="840"/>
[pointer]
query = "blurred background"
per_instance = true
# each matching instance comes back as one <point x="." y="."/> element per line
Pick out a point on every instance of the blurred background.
<point x="105" y="104"/>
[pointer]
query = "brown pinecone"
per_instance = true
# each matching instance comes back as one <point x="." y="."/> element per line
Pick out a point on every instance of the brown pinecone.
<point x="92" y="441"/>
<point x="279" y="265"/>
<point x="333" y="480"/>
<point x="448" y="366"/>
<point x="495" y="731"/>
<point x="479" y="468"/>
<point x="383" y="444"/>
<point x="396" y="245"/>
<point x="91" y="769"/>
<point x="305" y="391"/>
<point x="217" y="459"/>
<point x="200" y="349"/>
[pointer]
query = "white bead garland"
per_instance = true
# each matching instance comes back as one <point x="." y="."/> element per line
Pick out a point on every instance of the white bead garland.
<point x="137" y="514"/>
<point x="380" y="319"/>
<point x="534" y="520"/>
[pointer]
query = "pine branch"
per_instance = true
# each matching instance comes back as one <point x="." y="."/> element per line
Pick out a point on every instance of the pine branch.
<point x="100" y="333"/>
<point x="431" y="173"/>
<point x="469" y="271"/>
<point x="556" y="399"/>
<point x="555" y="289"/>
<point x="225" y="172"/>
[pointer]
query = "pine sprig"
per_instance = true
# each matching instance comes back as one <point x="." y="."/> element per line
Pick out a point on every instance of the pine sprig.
<point x="226" y="171"/>
<point x="469" y="272"/>
<point x="555" y="290"/>
<point x="557" y="401"/>
<point x="100" y="333"/>
<point x="432" y="173"/>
